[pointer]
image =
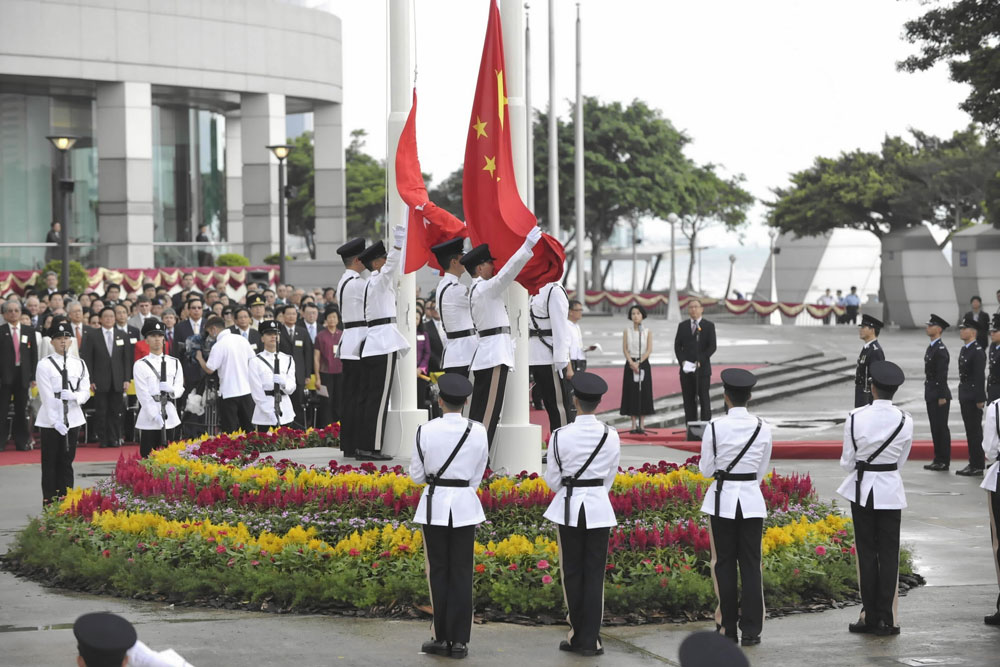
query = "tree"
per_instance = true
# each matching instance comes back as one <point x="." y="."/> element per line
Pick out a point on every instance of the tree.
<point x="301" y="178"/>
<point x="448" y="194"/>
<point x="966" y="36"/>
<point x="365" y="189"/>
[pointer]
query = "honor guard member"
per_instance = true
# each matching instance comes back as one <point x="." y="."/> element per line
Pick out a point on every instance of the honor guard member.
<point x="548" y="352"/>
<point x="993" y="380"/>
<point x="991" y="443"/>
<point x="868" y="331"/>
<point x="937" y="395"/>
<point x="736" y="451"/>
<point x="455" y="310"/>
<point x="581" y="470"/>
<point x="63" y="386"/>
<point x="383" y="343"/>
<point x="877" y="440"/>
<point x="972" y="395"/>
<point x="350" y="296"/>
<point x="103" y="639"/>
<point x="272" y="381"/>
<point x="495" y="353"/>
<point x="450" y="457"/>
<point x="159" y="378"/>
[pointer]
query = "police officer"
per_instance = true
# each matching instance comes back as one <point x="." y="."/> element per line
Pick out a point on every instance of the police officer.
<point x="455" y="310"/>
<point x="63" y="386"/>
<point x="877" y="440"/>
<point x="581" y="470"/>
<point x="868" y="331"/>
<point x="450" y="457"/>
<point x="991" y="444"/>
<point x="159" y="378"/>
<point x="495" y="353"/>
<point x="272" y="381"/>
<point x="937" y="395"/>
<point x="103" y="639"/>
<point x="383" y="344"/>
<point x="972" y="395"/>
<point x="548" y="352"/>
<point x="350" y="296"/>
<point x="736" y="451"/>
<point x="993" y="380"/>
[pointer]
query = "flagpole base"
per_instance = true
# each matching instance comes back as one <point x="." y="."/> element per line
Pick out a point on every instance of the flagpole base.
<point x="518" y="447"/>
<point x="400" y="430"/>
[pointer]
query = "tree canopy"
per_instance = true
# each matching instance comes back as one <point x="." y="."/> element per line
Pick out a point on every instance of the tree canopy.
<point x="365" y="189"/>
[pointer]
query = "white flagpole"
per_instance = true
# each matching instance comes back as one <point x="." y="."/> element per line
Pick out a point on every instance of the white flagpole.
<point x="553" y="128"/>
<point x="581" y="280"/>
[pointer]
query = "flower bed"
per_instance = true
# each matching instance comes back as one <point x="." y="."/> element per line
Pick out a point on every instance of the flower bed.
<point x="211" y="520"/>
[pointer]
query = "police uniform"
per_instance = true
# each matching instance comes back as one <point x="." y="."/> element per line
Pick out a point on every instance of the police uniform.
<point x="870" y="353"/>
<point x="494" y="356"/>
<point x="993" y="379"/>
<point x="103" y="638"/>
<point x="936" y="361"/>
<point x="450" y="457"/>
<point x="159" y="378"/>
<point x="350" y="296"/>
<point x="971" y="394"/>
<point x="581" y="468"/>
<point x="383" y="344"/>
<point x="548" y="352"/>
<point x="877" y="440"/>
<point x="272" y="374"/>
<point x="456" y="313"/>
<point x="991" y="444"/>
<point x="60" y="415"/>
<point x="736" y="451"/>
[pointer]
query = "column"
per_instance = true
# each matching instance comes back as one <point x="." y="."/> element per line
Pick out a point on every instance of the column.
<point x="125" y="169"/>
<point x="328" y="161"/>
<point x="262" y="125"/>
<point x="234" y="184"/>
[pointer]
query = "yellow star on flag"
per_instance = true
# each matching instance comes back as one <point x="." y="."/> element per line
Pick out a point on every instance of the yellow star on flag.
<point x="480" y="127"/>
<point x="491" y="165"/>
<point x="501" y="98"/>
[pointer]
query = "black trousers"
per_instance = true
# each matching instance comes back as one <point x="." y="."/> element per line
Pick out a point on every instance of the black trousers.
<point x="876" y="539"/>
<point x="350" y="405"/>
<point x="972" y="416"/>
<point x="695" y="390"/>
<point x="993" y="501"/>
<point x="378" y="371"/>
<point x="940" y="433"/>
<point x="487" y="399"/>
<point x="108" y="416"/>
<point x="449" y="555"/>
<point x="236" y="412"/>
<point x="552" y="390"/>
<point x="738" y="542"/>
<point x="153" y="439"/>
<point x="851" y="315"/>
<point x="329" y="407"/>
<point x="298" y="405"/>
<point x="579" y="365"/>
<point x="57" y="462"/>
<point x="19" y="395"/>
<point x="583" y="554"/>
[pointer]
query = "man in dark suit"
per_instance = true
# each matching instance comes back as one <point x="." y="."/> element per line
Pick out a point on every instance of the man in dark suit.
<point x="432" y="328"/>
<point x="294" y="341"/>
<point x="243" y="328"/>
<point x="18" y="358"/>
<point x="188" y="290"/>
<point x="981" y="320"/>
<point x="694" y="346"/>
<point x="105" y="350"/>
<point x="132" y="335"/>
<point x="972" y="395"/>
<point x="54" y="236"/>
<point x="194" y="325"/>
<point x="937" y="395"/>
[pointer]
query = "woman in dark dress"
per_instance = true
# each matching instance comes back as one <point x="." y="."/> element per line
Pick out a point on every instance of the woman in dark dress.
<point x="637" y="376"/>
<point x="329" y="366"/>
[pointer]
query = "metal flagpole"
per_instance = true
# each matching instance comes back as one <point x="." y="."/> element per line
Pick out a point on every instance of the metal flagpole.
<point x="530" y="134"/>
<point x="553" y="128"/>
<point x="581" y="279"/>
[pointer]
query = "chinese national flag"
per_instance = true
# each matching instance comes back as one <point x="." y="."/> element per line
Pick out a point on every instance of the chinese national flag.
<point x="494" y="211"/>
<point x="427" y="224"/>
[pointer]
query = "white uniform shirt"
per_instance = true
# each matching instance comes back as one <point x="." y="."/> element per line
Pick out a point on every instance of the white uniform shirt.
<point x="489" y="312"/>
<point x="873" y="424"/>
<point x="576" y="351"/>
<point x="380" y="303"/>
<point x="438" y="438"/>
<point x="456" y="315"/>
<point x="48" y="377"/>
<point x="147" y="391"/>
<point x="230" y="358"/>
<point x="262" y="380"/>
<point x="733" y="432"/>
<point x="549" y="310"/>
<point x="567" y="454"/>
<point x="991" y="444"/>
<point x="351" y="291"/>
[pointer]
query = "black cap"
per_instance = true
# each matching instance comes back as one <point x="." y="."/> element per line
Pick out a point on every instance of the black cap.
<point x="710" y="649"/>
<point x="352" y="248"/>
<point x="968" y="322"/>
<point x="476" y="256"/>
<point x="256" y="300"/>
<point x="61" y="329"/>
<point x="938" y="322"/>
<point x="268" y="327"/>
<point x="371" y="253"/>
<point x="886" y="374"/>
<point x="103" y="638"/>
<point x="445" y="251"/>
<point x="454" y="388"/>
<point x="153" y="328"/>
<point x="738" y="378"/>
<point x="588" y="386"/>
<point x="869" y="321"/>
<point x="995" y="326"/>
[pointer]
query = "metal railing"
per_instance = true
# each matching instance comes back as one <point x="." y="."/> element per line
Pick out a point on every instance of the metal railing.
<point x="191" y="253"/>
<point x="34" y="256"/>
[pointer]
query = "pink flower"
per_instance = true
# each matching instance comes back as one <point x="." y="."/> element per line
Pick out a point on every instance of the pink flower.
<point x="255" y="563"/>
<point x="546" y="579"/>
<point x="795" y="572"/>
<point x="220" y="549"/>
<point x="853" y="550"/>
<point x="609" y="566"/>
<point x="131" y="560"/>
<point x="512" y="567"/>
<point x="403" y="547"/>
<point x="658" y="568"/>
<point x="385" y="554"/>
<point x="353" y="552"/>
<point x="543" y="564"/>
<point x="375" y="565"/>
<point x="106" y="553"/>
<point x="663" y="582"/>
<point x="820" y="550"/>
<point x="230" y="562"/>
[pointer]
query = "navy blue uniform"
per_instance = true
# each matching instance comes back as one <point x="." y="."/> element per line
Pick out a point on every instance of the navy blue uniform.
<point x="862" y="376"/>
<point x="936" y="361"/>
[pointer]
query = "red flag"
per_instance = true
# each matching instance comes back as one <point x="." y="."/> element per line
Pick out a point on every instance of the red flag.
<point x="494" y="211"/>
<point x="427" y="224"/>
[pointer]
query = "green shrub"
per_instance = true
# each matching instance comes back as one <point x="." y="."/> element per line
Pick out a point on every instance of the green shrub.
<point x="273" y="259"/>
<point x="79" y="280"/>
<point x="232" y="259"/>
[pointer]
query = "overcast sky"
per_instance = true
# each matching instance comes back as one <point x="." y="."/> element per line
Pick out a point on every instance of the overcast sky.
<point x="761" y="87"/>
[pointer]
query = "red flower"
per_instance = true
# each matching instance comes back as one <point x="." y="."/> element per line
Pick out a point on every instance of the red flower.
<point x="609" y="566"/>
<point x="512" y="566"/>
<point x="546" y="579"/>
<point x="663" y="582"/>
<point x="480" y="568"/>
<point x="106" y="553"/>
<point x="352" y="552"/>
<point x="543" y="564"/>
<point x="820" y="550"/>
<point x="853" y="550"/>
<point x="385" y="554"/>
<point x="403" y="547"/>
<point x="255" y="562"/>
<point x="375" y="565"/>
<point x="658" y="568"/>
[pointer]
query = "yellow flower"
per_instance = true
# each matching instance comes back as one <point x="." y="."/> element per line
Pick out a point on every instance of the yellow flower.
<point x="802" y="531"/>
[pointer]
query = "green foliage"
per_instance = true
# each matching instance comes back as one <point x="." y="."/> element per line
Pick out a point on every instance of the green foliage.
<point x="78" y="278"/>
<point x="301" y="176"/>
<point x="365" y="185"/>
<point x="231" y="259"/>
<point x="274" y="258"/>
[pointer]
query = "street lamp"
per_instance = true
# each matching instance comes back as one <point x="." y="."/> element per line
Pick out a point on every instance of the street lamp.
<point x="776" y="315"/>
<point x="673" y="308"/>
<point x="63" y="144"/>
<point x="281" y="152"/>
<point x="729" y="283"/>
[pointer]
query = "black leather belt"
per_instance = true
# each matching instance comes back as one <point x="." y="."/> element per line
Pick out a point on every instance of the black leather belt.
<point x="434" y="482"/>
<point x="721" y="476"/>
<point x="381" y="320"/>
<point x="353" y="325"/>
<point x="495" y="331"/>
<point x="861" y="467"/>
<point x="538" y="333"/>
<point x="269" y="392"/>
<point x="571" y="484"/>
<point x="464" y="333"/>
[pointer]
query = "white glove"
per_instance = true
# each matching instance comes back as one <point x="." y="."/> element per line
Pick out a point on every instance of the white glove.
<point x="60" y="428"/>
<point x="67" y="395"/>
<point x="279" y="380"/>
<point x="533" y="236"/>
<point x="398" y="236"/>
<point x="157" y="419"/>
<point x="166" y="388"/>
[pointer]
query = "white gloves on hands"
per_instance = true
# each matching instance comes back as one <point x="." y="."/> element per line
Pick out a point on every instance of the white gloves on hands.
<point x="279" y="380"/>
<point x="398" y="236"/>
<point x="67" y="395"/>
<point x="60" y="428"/>
<point x="166" y="388"/>
<point x="533" y="236"/>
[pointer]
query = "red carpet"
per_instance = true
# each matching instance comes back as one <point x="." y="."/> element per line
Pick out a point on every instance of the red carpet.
<point x="11" y="456"/>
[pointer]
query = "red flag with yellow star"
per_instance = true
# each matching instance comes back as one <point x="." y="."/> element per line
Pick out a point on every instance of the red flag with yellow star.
<point x="494" y="211"/>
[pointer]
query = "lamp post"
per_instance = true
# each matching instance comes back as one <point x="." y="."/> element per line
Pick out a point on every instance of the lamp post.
<point x="776" y="315"/>
<point x="729" y="283"/>
<point x="281" y="152"/>
<point x="673" y="308"/>
<point x="63" y="144"/>
<point x="635" y="243"/>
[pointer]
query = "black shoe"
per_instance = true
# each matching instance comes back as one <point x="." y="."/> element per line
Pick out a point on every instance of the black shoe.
<point x="992" y="619"/>
<point x="936" y="465"/>
<point x="589" y="652"/>
<point x="750" y="640"/>
<point x="459" y="650"/>
<point x="860" y="628"/>
<point x="566" y="646"/>
<point x="436" y="647"/>
<point x="969" y="471"/>
<point x="883" y="630"/>
<point x="23" y="448"/>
